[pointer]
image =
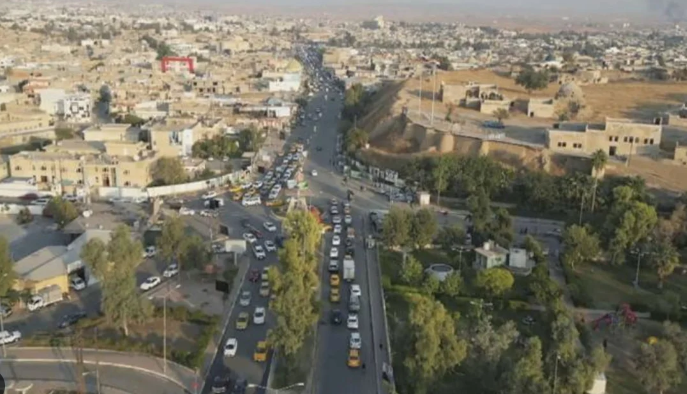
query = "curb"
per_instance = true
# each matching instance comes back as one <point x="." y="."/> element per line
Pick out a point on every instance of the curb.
<point x="105" y="363"/>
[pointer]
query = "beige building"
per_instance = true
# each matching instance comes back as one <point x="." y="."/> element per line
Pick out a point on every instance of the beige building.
<point x="111" y="132"/>
<point x="485" y="98"/>
<point x="615" y="137"/>
<point x="680" y="155"/>
<point x="71" y="166"/>
<point x="541" y="108"/>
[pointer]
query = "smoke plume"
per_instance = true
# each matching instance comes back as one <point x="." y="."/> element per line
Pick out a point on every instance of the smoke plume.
<point x="672" y="10"/>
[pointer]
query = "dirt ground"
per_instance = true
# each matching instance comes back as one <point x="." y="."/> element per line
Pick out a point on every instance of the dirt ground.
<point x="180" y="336"/>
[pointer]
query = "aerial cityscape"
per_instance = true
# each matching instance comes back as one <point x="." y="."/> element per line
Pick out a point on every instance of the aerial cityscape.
<point x="330" y="197"/>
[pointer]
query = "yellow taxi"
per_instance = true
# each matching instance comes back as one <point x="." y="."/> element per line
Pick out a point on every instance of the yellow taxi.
<point x="242" y="321"/>
<point x="354" y="358"/>
<point x="334" y="280"/>
<point x="260" y="354"/>
<point x="235" y="189"/>
<point x="334" y="294"/>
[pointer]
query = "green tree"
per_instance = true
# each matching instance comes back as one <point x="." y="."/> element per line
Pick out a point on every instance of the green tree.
<point x="674" y="333"/>
<point x="599" y="160"/>
<point x="423" y="228"/>
<point x="527" y="374"/>
<point x="304" y="228"/>
<point x="435" y="345"/>
<point x="494" y="282"/>
<point x="441" y="174"/>
<point x="294" y="284"/>
<point x="664" y="257"/>
<point x="430" y="285"/>
<point x="488" y="346"/>
<point x="657" y="367"/>
<point x="581" y="246"/>
<point x="533" y="80"/>
<point x="356" y="139"/>
<point x="501" y="114"/>
<point x="170" y="241"/>
<point x="629" y="222"/>
<point x="564" y="339"/>
<point x="411" y="271"/>
<point x="25" y="216"/>
<point x="251" y="139"/>
<point x="396" y="227"/>
<point x="480" y="214"/>
<point x="62" y="211"/>
<point x="501" y="228"/>
<point x="194" y="253"/>
<point x="114" y="265"/>
<point x="452" y="285"/>
<point x="7" y="274"/>
<point x="169" y="171"/>
<point x="133" y="120"/>
<point x="450" y="236"/>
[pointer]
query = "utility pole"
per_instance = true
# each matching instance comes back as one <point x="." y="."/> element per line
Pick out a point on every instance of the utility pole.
<point x="77" y="348"/>
<point x="419" y="96"/>
<point x="434" y="89"/>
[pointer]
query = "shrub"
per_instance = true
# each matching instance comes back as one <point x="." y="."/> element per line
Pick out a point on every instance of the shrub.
<point x="516" y="305"/>
<point x="25" y="216"/>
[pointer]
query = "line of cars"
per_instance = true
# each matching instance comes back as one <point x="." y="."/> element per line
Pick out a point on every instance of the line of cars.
<point x="355" y="291"/>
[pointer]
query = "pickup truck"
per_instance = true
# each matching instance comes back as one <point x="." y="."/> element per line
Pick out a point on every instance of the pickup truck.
<point x="7" y="337"/>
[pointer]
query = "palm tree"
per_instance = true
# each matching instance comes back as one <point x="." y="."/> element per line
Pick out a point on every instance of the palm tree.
<point x="599" y="160"/>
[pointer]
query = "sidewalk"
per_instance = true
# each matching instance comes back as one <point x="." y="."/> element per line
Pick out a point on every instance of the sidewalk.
<point x="176" y="373"/>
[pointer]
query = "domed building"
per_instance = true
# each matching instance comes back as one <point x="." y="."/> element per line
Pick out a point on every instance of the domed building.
<point x="570" y="91"/>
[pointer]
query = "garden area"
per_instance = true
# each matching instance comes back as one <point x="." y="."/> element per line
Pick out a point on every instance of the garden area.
<point x="188" y="335"/>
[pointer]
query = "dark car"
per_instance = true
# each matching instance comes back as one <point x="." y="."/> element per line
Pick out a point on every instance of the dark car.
<point x="492" y="124"/>
<point x="350" y="252"/>
<point x="71" y="319"/>
<point x="257" y="233"/>
<point x="220" y="385"/>
<point x="240" y="386"/>
<point x="254" y="275"/>
<point x="279" y="240"/>
<point x="336" y="317"/>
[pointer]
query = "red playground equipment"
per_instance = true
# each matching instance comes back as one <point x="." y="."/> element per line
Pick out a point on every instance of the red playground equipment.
<point x="623" y="316"/>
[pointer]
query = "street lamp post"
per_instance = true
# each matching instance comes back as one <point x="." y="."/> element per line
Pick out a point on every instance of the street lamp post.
<point x="639" y="252"/>
<point x="299" y="384"/>
<point x="164" y="329"/>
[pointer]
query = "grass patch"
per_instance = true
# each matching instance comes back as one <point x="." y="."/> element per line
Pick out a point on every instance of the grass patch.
<point x="188" y="333"/>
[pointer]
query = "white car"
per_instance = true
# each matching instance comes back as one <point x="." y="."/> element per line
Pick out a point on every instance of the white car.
<point x="150" y="251"/>
<point x="352" y="322"/>
<point x="150" y="283"/>
<point x="170" y="271"/>
<point x="348" y="219"/>
<point x="259" y="252"/>
<point x="250" y="238"/>
<point x="356" y="342"/>
<point x="183" y="211"/>
<point x="313" y="172"/>
<point x="270" y="246"/>
<point x="209" y="195"/>
<point x="77" y="283"/>
<point x="336" y="219"/>
<point x="334" y="210"/>
<point x="337" y="229"/>
<point x="259" y="315"/>
<point x="269" y="226"/>
<point x="336" y="240"/>
<point x="9" y="337"/>
<point x="244" y="300"/>
<point x="356" y="291"/>
<point x="230" y="347"/>
<point x="334" y="253"/>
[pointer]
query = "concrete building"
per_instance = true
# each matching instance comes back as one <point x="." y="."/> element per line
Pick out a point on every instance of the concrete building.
<point x="485" y="98"/>
<point x="541" y="108"/>
<point x="490" y="255"/>
<point x="78" y="166"/>
<point x="49" y="100"/>
<point x="75" y="108"/>
<point x="111" y="132"/>
<point x="615" y="137"/>
<point x="172" y="137"/>
<point x="680" y="154"/>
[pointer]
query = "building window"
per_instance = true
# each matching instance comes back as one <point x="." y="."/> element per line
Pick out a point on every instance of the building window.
<point x="651" y="141"/>
<point x="577" y="146"/>
<point x="126" y="172"/>
<point x="104" y="169"/>
<point x="624" y="139"/>
<point x="78" y="170"/>
<point x="562" y="144"/>
<point x="44" y="168"/>
<point x="646" y="141"/>
<point x="17" y="168"/>
<point x="127" y="183"/>
<point x="610" y="139"/>
<point x="79" y="182"/>
<point x="615" y="139"/>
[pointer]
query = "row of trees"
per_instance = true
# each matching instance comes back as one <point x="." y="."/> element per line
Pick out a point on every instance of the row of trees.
<point x="295" y="284"/>
<point x="249" y="140"/>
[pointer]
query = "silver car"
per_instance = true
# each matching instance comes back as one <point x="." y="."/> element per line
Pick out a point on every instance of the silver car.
<point x="244" y="300"/>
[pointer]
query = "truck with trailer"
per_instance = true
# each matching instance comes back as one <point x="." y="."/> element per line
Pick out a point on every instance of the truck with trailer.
<point x="46" y="297"/>
<point x="348" y="269"/>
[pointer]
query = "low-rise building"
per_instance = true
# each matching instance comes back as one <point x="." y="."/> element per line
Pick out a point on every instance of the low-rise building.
<point x="615" y="137"/>
<point x="490" y="255"/>
<point x="75" y="108"/>
<point x="541" y="108"/>
<point x="680" y="154"/>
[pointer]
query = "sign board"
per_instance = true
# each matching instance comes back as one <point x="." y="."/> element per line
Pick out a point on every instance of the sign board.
<point x="237" y="246"/>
